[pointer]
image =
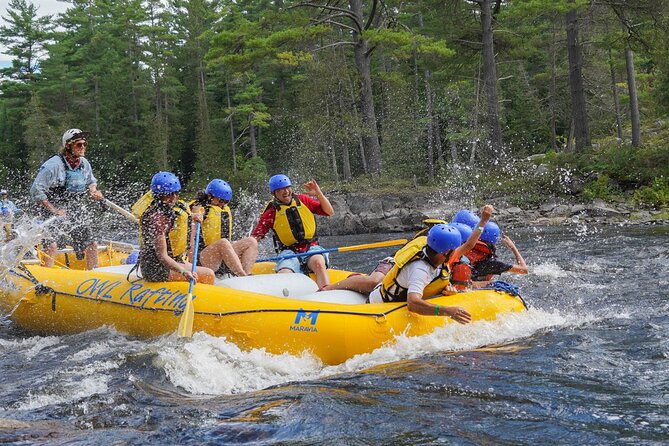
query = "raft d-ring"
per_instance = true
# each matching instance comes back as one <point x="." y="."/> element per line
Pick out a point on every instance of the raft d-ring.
<point x="381" y="319"/>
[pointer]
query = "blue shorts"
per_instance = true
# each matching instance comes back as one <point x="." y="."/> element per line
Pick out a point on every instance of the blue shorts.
<point x="299" y="264"/>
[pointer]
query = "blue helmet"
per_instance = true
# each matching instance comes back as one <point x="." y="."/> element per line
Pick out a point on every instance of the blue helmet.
<point x="164" y="183"/>
<point x="465" y="231"/>
<point x="490" y="233"/>
<point x="442" y="238"/>
<point x="278" y="182"/>
<point x="467" y="217"/>
<point x="219" y="189"/>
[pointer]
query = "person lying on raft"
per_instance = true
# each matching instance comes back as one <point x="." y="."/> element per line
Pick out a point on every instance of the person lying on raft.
<point x="367" y="284"/>
<point x="291" y="217"/>
<point x="164" y="235"/>
<point x="422" y="269"/>
<point x="482" y="262"/>
<point x="217" y="250"/>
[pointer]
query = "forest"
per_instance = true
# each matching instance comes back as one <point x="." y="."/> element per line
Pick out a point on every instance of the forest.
<point x="358" y="93"/>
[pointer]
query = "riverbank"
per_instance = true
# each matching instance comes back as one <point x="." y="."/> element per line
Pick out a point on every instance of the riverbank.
<point x="371" y="213"/>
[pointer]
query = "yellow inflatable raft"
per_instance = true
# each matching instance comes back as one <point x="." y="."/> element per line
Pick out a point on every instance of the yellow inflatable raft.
<point x="278" y="312"/>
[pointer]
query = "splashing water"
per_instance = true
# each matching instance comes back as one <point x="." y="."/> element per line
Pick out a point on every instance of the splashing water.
<point x="27" y="234"/>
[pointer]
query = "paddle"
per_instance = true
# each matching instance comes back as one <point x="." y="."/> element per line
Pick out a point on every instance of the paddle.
<point x="341" y="249"/>
<point x="186" y="322"/>
<point x="120" y="210"/>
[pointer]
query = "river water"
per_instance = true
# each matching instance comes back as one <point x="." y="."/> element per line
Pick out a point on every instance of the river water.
<point x="587" y="364"/>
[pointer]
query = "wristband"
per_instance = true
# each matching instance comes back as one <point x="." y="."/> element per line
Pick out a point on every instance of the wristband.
<point x="479" y="228"/>
<point x="436" y="311"/>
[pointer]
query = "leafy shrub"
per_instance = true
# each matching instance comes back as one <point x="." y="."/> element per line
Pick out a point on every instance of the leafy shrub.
<point x="602" y="188"/>
<point x="655" y="195"/>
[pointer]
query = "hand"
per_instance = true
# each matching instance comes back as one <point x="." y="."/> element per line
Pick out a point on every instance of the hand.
<point x="190" y="276"/>
<point x="458" y="314"/>
<point x="96" y="195"/>
<point x="58" y="212"/>
<point x="449" y="290"/>
<point x="312" y="188"/>
<point x="197" y="213"/>
<point x="486" y="211"/>
<point x="506" y="241"/>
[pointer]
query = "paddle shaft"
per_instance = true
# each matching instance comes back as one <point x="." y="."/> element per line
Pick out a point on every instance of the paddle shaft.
<point x="340" y="249"/>
<point x="195" y="250"/>
<point x="185" y="329"/>
<point x="120" y="210"/>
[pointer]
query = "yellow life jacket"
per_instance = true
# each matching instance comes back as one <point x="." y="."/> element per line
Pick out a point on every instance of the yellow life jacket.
<point x="429" y="222"/>
<point x="392" y="291"/>
<point x="178" y="236"/>
<point x="217" y="224"/>
<point x="294" y="222"/>
<point x="142" y="205"/>
<point x="177" y="239"/>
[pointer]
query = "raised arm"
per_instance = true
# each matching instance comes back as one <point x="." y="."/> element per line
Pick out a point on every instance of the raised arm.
<point x="520" y="267"/>
<point x="314" y="190"/>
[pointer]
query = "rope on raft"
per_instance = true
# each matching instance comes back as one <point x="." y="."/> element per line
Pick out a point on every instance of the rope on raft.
<point x="506" y="287"/>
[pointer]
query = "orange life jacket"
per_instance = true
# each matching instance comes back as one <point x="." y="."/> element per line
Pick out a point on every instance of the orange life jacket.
<point x="480" y="251"/>
<point x="461" y="274"/>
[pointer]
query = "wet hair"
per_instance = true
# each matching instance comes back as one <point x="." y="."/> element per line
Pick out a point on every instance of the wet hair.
<point x="203" y="198"/>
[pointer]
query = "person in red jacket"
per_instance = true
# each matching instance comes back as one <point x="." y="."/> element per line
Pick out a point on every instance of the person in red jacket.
<point x="291" y="217"/>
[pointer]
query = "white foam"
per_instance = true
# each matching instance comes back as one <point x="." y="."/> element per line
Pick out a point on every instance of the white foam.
<point x="208" y="365"/>
<point x="29" y="347"/>
<point x="551" y="270"/>
<point x="70" y="391"/>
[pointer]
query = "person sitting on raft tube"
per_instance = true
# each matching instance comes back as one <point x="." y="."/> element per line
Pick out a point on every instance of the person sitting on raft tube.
<point x="483" y="263"/>
<point x="366" y="284"/>
<point x="291" y="217"/>
<point x="60" y="189"/>
<point x="164" y="235"/>
<point x="217" y="250"/>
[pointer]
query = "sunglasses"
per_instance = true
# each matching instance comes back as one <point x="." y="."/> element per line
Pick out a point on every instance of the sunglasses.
<point x="80" y="144"/>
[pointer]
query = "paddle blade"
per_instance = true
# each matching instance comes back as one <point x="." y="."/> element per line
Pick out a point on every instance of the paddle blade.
<point x="373" y="245"/>
<point x="186" y="322"/>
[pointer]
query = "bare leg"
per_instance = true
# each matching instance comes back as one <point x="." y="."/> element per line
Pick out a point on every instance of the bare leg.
<point x="247" y="251"/>
<point x="51" y="252"/>
<point x="221" y="251"/>
<point x="361" y="284"/>
<point x="91" y="253"/>
<point x="316" y="263"/>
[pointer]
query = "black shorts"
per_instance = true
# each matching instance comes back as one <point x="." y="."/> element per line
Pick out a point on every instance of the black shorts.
<point x="154" y="271"/>
<point x="78" y="235"/>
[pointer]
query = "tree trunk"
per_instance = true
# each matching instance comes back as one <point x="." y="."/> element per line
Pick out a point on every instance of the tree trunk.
<point x="345" y="156"/>
<point x="430" y="127"/>
<point x="97" y="105"/>
<point x="616" y="101"/>
<point x="472" y="155"/>
<point x="363" y="64"/>
<point x="490" y="80"/>
<point x="233" y="144"/>
<point x="252" y="137"/>
<point x="358" y="133"/>
<point x="553" y="93"/>
<point x="578" y="102"/>
<point x="634" y="100"/>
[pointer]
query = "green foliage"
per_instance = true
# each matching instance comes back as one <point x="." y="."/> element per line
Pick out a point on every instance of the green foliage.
<point x="654" y="196"/>
<point x="602" y="188"/>
<point x="251" y="176"/>
<point x="186" y="85"/>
